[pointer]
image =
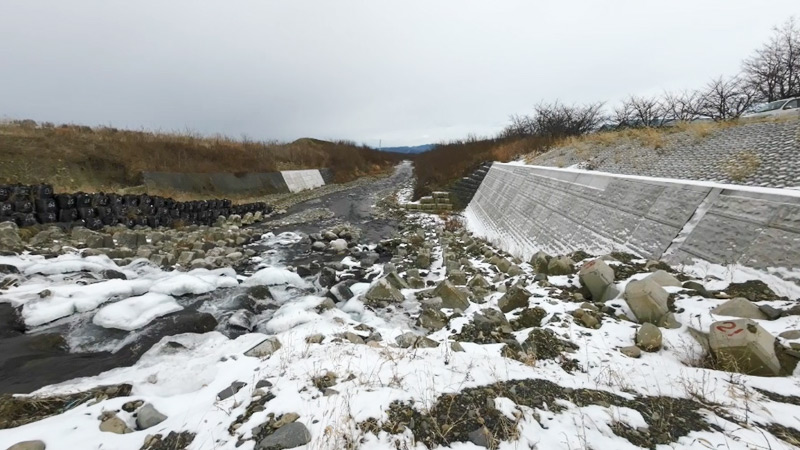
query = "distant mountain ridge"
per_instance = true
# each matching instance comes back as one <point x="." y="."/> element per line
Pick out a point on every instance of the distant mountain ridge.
<point x="408" y="149"/>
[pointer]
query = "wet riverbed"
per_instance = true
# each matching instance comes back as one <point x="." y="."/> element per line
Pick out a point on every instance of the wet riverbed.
<point x="75" y="347"/>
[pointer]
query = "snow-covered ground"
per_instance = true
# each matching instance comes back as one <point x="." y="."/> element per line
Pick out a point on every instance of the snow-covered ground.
<point x="182" y="375"/>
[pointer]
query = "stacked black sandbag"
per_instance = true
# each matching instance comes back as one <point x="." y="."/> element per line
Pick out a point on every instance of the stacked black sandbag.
<point x="31" y="205"/>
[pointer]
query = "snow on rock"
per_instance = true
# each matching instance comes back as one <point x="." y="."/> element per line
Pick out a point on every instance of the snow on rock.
<point x="292" y="314"/>
<point x="55" y="302"/>
<point x="182" y="284"/>
<point x="273" y="276"/>
<point x="135" y="312"/>
<point x="52" y="289"/>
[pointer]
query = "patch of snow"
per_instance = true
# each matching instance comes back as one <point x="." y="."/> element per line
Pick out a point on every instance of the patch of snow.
<point x="273" y="276"/>
<point x="135" y="312"/>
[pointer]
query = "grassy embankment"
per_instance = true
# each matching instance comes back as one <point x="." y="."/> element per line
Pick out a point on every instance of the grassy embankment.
<point x="79" y="158"/>
<point x="441" y="167"/>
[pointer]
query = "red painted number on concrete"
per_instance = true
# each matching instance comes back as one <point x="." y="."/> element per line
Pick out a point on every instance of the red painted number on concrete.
<point x="727" y="326"/>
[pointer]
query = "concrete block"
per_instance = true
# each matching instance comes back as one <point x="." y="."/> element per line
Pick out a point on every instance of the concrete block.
<point x="383" y="291"/>
<point x="598" y="277"/>
<point x="516" y="297"/>
<point x="647" y="300"/>
<point x="740" y="307"/>
<point x="452" y="297"/>
<point x="743" y="346"/>
<point x="664" y="278"/>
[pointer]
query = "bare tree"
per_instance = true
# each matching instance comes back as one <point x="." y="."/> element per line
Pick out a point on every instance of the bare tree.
<point x="725" y="99"/>
<point x="681" y="106"/>
<point x="556" y="120"/>
<point x="774" y="70"/>
<point x="639" y="112"/>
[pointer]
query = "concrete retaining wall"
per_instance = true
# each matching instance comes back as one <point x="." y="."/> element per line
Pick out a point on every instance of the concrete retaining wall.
<point x="228" y="183"/>
<point x="300" y="180"/>
<point x="524" y="209"/>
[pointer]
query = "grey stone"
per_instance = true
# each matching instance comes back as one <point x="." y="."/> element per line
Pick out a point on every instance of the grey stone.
<point x="481" y="437"/>
<point x="229" y="391"/>
<point x="423" y="260"/>
<point x="647" y="300"/>
<point x="664" y="278"/>
<point x="185" y="258"/>
<point x="739" y="307"/>
<point x="456" y="346"/>
<point x="265" y="348"/>
<point x="411" y="340"/>
<point x="631" y="351"/>
<point x="514" y="271"/>
<point x="479" y="282"/>
<point x="770" y="312"/>
<point x="315" y="339"/>
<point x="338" y="245"/>
<point x="290" y="435"/>
<point x="432" y="319"/>
<point x="352" y="337"/>
<point x="648" y="337"/>
<point x="451" y="296"/>
<point x="561" y="266"/>
<point x="242" y="319"/>
<point x="148" y="416"/>
<point x="115" y="425"/>
<point x="382" y="291"/>
<point x="489" y="318"/>
<point x="318" y="246"/>
<point x="539" y="262"/>
<point x="741" y="345"/>
<point x="341" y="291"/>
<point x="457" y="277"/>
<point x="699" y="288"/>
<point x="9" y="237"/>
<point x="28" y="445"/>
<point x="515" y="297"/>
<point x="669" y="321"/>
<point x="790" y="334"/>
<point x="394" y="279"/>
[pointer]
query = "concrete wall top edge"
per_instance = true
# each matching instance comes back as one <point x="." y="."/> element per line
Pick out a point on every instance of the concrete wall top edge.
<point x="564" y="174"/>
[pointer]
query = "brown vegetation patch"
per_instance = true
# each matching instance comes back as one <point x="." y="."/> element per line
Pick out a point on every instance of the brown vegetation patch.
<point x="74" y="158"/>
<point x="20" y="410"/>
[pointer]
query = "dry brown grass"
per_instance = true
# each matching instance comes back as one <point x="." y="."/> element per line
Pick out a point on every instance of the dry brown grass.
<point x="742" y="165"/>
<point x="447" y="163"/>
<point x="654" y="138"/>
<point x="73" y="157"/>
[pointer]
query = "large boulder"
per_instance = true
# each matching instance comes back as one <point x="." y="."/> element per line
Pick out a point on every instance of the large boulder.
<point x="740" y="307"/>
<point x="648" y="337"/>
<point x="561" y="266"/>
<point x="647" y="300"/>
<point x="451" y="296"/>
<point x="148" y="416"/>
<point x="664" y="278"/>
<point x="383" y="292"/>
<point x="515" y="297"/>
<point x="743" y="346"/>
<point x="539" y="262"/>
<point x="9" y="237"/>
<point x="394" y="279"/>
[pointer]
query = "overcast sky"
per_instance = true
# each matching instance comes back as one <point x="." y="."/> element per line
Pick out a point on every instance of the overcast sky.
<point x="405" y="72"/>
